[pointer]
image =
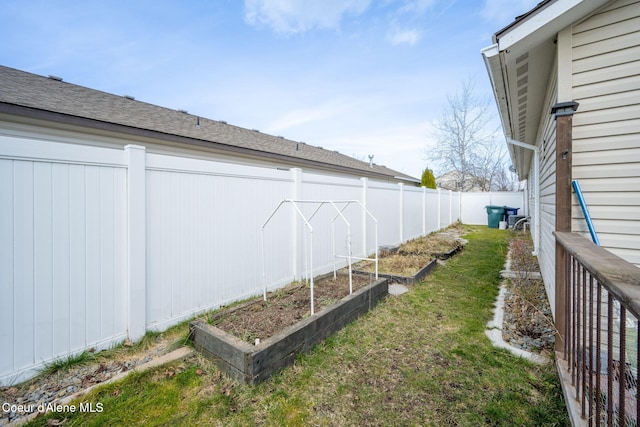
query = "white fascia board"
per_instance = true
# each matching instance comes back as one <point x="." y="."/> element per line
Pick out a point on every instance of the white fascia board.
<point x="491" y="57"/>
<point x="493" y="62"/>
<point x="547" y="22"/>
<point x="490" y="54"/>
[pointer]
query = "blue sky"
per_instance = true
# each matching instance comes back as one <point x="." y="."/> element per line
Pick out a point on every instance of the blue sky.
<point x="358" y="76"/>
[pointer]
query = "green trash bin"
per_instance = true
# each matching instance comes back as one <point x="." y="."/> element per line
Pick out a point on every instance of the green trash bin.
<point x="495" y="214"/>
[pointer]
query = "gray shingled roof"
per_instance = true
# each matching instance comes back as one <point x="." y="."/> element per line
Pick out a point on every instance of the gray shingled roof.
<point x="525" y="15"/>
<point x="22" y="89"/>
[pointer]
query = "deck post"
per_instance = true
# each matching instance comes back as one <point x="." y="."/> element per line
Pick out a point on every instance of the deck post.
<point x="563" y="113"/>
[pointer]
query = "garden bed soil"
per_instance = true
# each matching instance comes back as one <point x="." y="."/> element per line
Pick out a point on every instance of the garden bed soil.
<point x="254" y="362"/>
<point x="283" y="308"/>
<point x="528" y="323"/>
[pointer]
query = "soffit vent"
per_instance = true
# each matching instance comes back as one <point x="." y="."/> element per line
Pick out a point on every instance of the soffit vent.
<point x="522" y="76"/>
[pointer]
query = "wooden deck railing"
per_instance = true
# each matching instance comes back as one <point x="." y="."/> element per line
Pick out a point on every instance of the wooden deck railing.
<point x="600" y="349"/>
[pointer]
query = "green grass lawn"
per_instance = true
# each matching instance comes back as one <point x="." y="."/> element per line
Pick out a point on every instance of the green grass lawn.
<point x="419" y="359"/>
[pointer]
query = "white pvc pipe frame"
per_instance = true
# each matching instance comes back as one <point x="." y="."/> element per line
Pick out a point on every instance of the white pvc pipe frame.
<point x="307" y="222"/>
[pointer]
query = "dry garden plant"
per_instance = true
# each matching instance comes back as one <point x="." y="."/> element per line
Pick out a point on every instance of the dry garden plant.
<point x="529" y="323"/>
<point x="432" y="245"/>
<point x="396" y="264"/>
<point x="415" y="254"/>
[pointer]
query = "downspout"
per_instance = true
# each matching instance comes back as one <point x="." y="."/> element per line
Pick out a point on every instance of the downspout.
<point x="536" y="194"/>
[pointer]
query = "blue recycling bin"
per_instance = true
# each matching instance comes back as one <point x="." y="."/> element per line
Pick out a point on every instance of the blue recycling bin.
<point x="510" y="211"/>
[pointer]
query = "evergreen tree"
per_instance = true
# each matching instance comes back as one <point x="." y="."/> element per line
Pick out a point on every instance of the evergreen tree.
<point x="428" y="180"/>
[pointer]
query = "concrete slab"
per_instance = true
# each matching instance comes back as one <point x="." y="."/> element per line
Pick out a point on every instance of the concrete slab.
<point x="397" y="289"/>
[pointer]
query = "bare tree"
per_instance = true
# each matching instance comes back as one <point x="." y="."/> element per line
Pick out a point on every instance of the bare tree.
<point x="506" y="181"/>
<point x="488" y="164"/>
<point x="466" y="143"/>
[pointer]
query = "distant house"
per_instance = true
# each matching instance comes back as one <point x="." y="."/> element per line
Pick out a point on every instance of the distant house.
<point x="453" y="181"/>
<point x="51" y="102"/>
<point x="574" y="63"/>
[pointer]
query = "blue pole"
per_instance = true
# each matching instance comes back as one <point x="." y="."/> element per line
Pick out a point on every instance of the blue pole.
<point x="585" y="211"/>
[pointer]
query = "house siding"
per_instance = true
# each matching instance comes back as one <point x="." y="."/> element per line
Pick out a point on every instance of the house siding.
<point x="606" y="144"/>
<point x="605" y="57"/>
<point x="547" y="144"/>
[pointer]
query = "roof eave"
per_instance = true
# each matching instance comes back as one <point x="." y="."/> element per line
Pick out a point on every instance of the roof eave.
<point x="530" y="35"/>
<point x="544" y="21"/>
<point x="493" y="63"/>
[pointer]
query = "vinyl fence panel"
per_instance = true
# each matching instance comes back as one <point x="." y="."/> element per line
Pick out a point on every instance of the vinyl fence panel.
<point x="329" y="228"/>
<point x="63" y="249"/>
<point x="412" y="211"/>
<point x="203" y="229"/>
<point x="432" y="215"/>
<point x="383" y="203"/>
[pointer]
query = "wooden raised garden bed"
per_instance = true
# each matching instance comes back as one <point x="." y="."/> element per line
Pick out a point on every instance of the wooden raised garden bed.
<point x="251" y="363"/>
<point x="407" y="279"/>
<point x="412" y="261"/>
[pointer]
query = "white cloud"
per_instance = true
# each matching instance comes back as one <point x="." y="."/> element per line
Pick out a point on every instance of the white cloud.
<point x="410" y="37"/>
<point x="416" y="6"/>
<point x="302" y="116"/>
<point x="503" y="12"/>
<point x="294" y="16"/>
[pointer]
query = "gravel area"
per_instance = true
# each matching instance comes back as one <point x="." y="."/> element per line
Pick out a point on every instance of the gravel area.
<point x="35" y="395"/>
<point x="528" y="322"/>
<point x="539" y="336"/>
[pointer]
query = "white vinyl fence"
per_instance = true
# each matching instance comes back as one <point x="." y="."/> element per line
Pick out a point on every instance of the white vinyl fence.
<point x="473" y="205"/>
<point x="99" y="244"/>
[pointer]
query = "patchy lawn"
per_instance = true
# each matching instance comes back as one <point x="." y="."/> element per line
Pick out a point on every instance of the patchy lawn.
<point x="418" y="359"/>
